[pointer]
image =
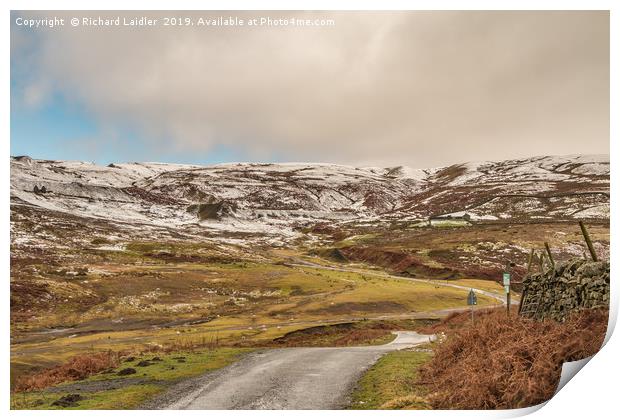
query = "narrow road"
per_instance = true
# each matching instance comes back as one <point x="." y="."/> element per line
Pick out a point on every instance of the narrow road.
<point x="291" y="378"/>
<point x="499" y="296"/>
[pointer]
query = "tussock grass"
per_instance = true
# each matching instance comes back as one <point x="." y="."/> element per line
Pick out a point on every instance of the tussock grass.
<point x="408" y="402"/>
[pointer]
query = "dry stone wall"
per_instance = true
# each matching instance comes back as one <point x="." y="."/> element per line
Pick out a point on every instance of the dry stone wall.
<point x="571" y="286"/>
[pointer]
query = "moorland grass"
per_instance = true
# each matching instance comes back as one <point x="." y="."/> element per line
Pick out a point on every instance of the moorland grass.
<point x="165" y="370"/>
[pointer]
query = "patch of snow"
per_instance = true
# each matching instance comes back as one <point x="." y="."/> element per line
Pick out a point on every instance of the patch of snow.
<point x="596" y="212"/>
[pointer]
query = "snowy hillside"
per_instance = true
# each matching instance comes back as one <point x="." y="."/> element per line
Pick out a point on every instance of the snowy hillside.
<point x="278" y="198"/>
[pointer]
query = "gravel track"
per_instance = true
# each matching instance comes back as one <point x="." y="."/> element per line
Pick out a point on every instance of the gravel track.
<point x="291" y="378"/>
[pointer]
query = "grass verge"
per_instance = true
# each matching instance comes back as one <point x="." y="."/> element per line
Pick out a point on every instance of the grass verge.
<point x="392" y="383"/>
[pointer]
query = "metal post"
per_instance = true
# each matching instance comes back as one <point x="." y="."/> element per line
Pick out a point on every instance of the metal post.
<point x="508" y="302"/>
<point x="471" y="301"/>
<point x="507" y="287"/>
<point x="586" y="236"/>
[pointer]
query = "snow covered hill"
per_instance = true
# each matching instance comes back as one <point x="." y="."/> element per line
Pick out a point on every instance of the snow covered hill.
<point x="276" y="199"/>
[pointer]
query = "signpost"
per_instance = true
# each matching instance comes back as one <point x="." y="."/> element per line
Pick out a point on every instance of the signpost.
<point x="472" y="300"/>
<point x="507" y="290"/>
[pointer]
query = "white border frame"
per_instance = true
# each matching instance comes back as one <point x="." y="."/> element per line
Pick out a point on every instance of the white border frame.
<point x="591" y="394"/>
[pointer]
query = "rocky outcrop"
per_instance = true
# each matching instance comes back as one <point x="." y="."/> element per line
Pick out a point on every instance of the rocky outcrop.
<point x="213" y="211"/>
<point x="571" y="286"/>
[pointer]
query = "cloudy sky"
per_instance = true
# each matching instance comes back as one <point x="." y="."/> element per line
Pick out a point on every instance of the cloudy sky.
<point x="417" y="88"/>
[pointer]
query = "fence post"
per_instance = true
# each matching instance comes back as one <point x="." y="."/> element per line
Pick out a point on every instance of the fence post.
<point x="541" y="261"/>
<point x="529" y="262"/>
<point x="549" y="254"/>
<point x="586" y="236"/>
<point x="527" y="273"/>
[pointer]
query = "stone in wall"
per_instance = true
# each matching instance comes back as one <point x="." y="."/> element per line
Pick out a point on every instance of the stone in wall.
<point x="570" y="286"/>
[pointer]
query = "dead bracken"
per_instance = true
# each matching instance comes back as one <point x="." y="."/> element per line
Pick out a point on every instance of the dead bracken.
<point x="501" y="363"/>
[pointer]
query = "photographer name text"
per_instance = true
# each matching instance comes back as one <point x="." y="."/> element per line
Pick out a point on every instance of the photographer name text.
<point x="147" y="21"/>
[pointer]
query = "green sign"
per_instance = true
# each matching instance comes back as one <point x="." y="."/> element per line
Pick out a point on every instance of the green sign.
<point x="506" y="279"/>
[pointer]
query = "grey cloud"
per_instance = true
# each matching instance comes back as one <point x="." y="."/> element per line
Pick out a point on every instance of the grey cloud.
<point x="419" y="88"/>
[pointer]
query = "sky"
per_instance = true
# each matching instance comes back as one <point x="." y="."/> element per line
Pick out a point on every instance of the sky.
<point x="422" y="89"/>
